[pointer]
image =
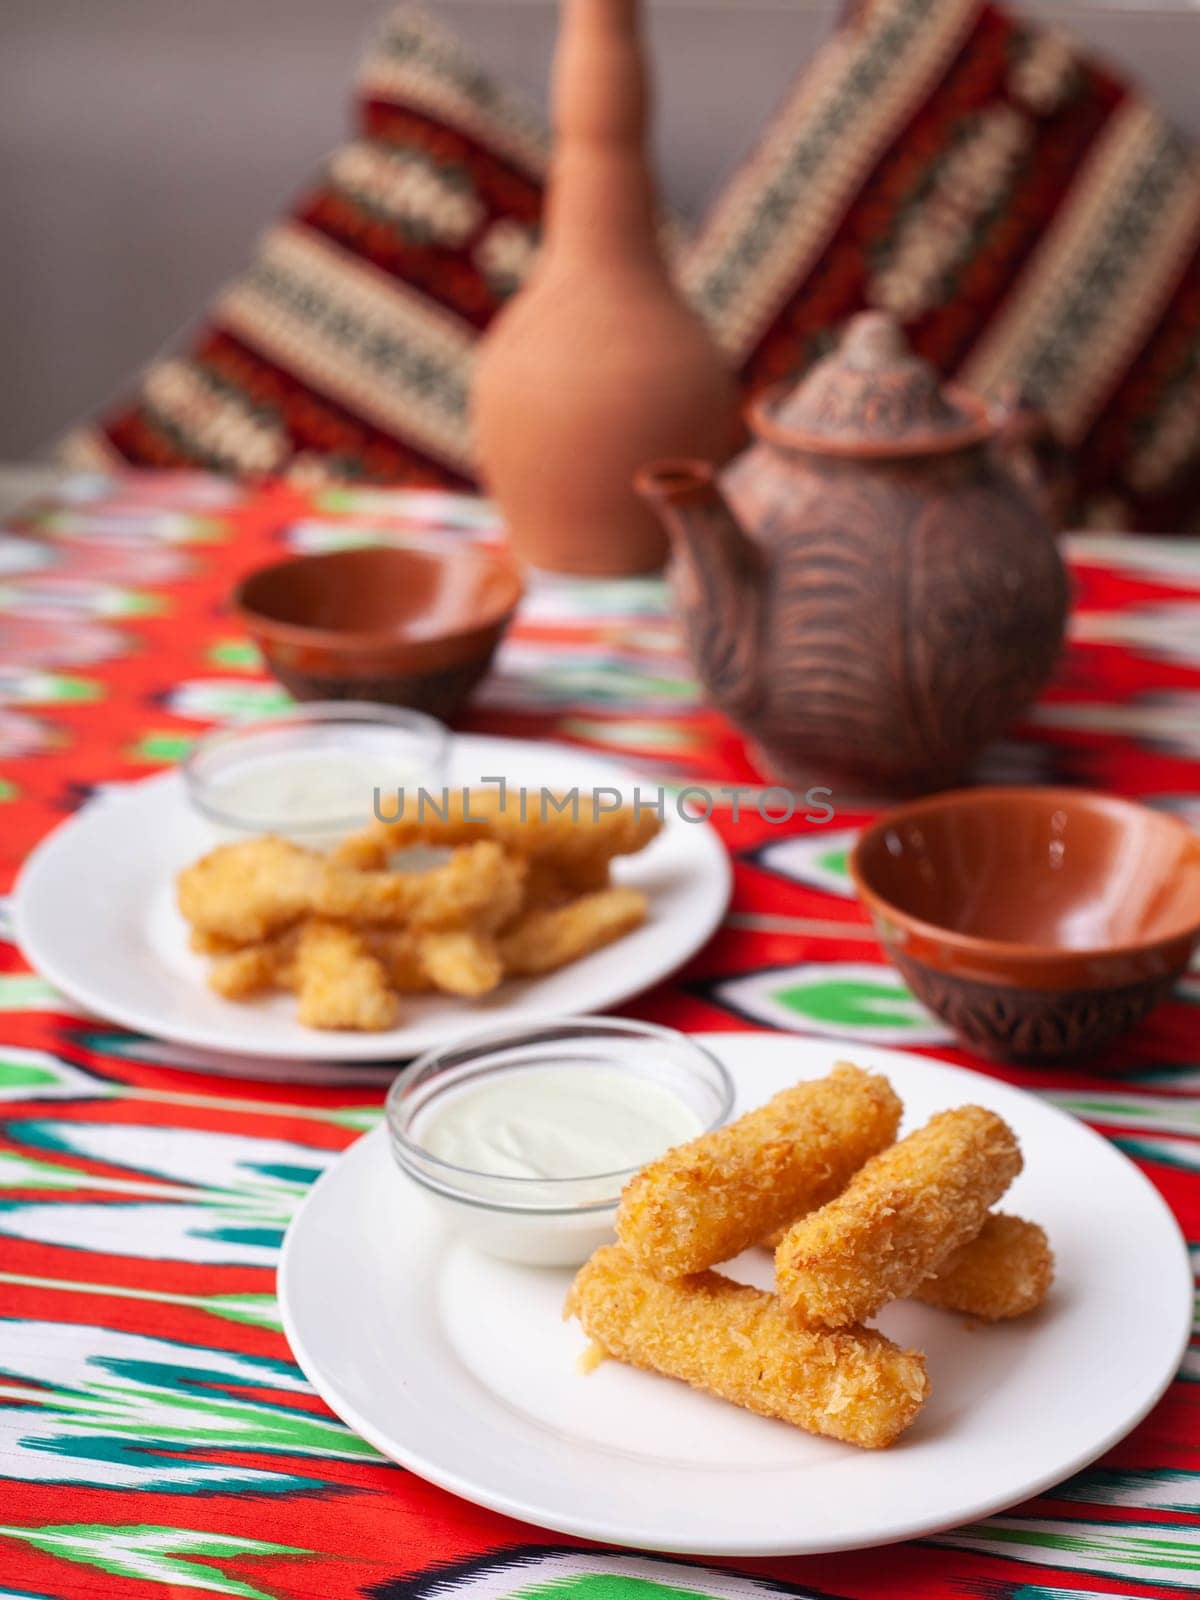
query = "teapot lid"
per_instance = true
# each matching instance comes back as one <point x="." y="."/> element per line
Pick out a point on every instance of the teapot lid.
<point x="872" y="396"/>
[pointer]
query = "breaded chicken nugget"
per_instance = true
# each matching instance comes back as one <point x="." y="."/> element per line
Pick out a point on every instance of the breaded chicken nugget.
<point x="580" y="835"/>
<point x="740" y="1344"/>
<point x="446" y="827"/>
<point x="550" y="884"/>
<point x="480" y="885"/>
<point x="239" y="974"/>
<point x="544" y="939"/>
<point x="707" y="1200"/>
<point x="248" y="890"/>
<point x="460" y="961"/>
<point x="211" y="944"/>
<point x="254" y="969"/>
<point x="1005" y="1271"/>
<point x="369" y="850"/>
<point x="580" y="839"/>
<point x="897" y="1219"/>
<point x="399" y="951"/>
<point x="339" y="982"/>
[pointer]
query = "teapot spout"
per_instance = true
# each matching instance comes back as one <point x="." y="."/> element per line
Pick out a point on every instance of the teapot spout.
<point x="695" y="513"/>
<point x="717" y="577"/>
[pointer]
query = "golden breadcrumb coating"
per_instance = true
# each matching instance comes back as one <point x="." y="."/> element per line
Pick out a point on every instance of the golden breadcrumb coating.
<point x="339" y="983"/>
<point x="369" y="850"/>
<point x="547" y="938"/>
<point x="550" y="883"/>
<point x="211" y="944"/>
<point x="248" y="890"/>
<point x="460" y="961"/>
<point x="479" y="885"/>
<point x="1005" y="1271"/>
<point x="577" y="837"/>
<point x="705" y="1201"/>
<point x="399" y="949"/>
<point x="239" y="974"/>
<point x="739" y="1343"/>
<point x="897" y="1219"/>
<point x="348" y="932"/>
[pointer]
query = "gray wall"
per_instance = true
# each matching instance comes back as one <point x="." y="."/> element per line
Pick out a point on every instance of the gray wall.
<point x="144" y="142"/>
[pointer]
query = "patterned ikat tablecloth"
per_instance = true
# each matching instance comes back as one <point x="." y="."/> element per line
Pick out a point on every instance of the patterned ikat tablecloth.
<point x="155" y="1437"/>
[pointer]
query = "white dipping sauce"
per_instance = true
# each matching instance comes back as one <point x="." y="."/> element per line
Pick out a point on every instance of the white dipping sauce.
<point x="308" y="789"/>
<point x="573" y="1121"/>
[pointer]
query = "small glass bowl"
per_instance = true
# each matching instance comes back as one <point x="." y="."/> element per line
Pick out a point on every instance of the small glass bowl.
<point x="544" y="1221"/>
<point x="232" y="777"/>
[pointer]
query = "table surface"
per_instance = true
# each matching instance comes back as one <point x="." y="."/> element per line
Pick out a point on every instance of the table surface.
<point x="155" y="1436"/>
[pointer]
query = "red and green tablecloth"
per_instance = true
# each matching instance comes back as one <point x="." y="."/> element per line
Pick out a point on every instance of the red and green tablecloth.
<point x="156" y="1439"/>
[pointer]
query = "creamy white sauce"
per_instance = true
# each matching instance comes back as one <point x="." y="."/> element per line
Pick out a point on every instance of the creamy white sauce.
<point x="306" y="789"/>
<point x="572" y="1121"/>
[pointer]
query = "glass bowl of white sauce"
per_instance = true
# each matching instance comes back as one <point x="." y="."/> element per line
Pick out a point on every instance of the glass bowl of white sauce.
<point x="312" y="773"/>
<point x="523" y="1138"/>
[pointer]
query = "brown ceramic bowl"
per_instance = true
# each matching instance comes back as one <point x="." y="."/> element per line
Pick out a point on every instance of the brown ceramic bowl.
<point x="1039" y="923"/>
<point x="405" y="625"/>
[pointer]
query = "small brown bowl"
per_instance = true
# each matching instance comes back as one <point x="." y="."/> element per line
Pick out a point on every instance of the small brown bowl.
<point x="1039" y="923"/>
<point x="405" y="625"/>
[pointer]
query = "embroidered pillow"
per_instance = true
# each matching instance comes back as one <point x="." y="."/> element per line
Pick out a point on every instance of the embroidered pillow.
<point x="1026" y="214"/>
<point x="344" y="350"/>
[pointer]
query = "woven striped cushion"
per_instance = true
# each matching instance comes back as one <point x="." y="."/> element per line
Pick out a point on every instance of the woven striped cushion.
<point x="344" y="350"/>
<point x="1030" y="219"/>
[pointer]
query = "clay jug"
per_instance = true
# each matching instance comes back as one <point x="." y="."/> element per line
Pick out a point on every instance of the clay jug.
<point x="597" y="365"/>
<point x="870" y="590"/>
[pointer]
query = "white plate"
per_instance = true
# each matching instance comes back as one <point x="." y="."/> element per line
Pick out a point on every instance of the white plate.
<point x="95" y="913"/>
<point x="461" y="1369"/>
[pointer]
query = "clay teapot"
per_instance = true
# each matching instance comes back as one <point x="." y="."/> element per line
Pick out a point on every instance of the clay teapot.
<point x="869" y="590"/>
<point x="597" y="364"/>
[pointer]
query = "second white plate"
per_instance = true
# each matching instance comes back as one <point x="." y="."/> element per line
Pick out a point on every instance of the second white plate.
<point x="461" y="1368"/>
<point x="95" y="913"/>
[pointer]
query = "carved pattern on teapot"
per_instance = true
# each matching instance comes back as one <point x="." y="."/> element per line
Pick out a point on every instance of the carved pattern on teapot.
<point x="877" y="599"/>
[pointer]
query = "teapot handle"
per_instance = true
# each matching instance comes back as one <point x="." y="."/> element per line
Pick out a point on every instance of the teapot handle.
<point x="1029" y="442"/>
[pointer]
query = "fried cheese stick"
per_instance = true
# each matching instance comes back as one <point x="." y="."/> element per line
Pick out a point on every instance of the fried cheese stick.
<point x="705" y="1201"/>
<point x="1005" y="1271"/>
<point x="897" y="1220"/>
<point x="740" y="1344"/>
